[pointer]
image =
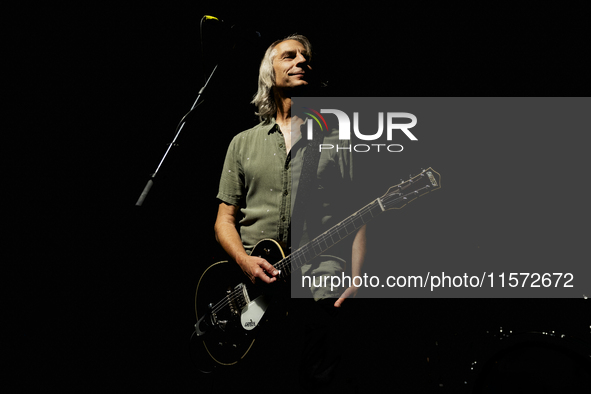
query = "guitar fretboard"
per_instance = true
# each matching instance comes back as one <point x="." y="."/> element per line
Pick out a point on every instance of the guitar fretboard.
<point x="328" y="239"/>
<point x="396" y="197"/>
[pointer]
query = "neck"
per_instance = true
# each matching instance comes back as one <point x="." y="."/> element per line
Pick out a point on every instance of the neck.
<point x="283" y="103"/>
<point x="283" y="119"/>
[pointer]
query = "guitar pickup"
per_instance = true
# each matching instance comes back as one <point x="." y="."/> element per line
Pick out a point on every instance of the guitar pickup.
<point x="238" y="298"/>
<point x="244" y="293"/>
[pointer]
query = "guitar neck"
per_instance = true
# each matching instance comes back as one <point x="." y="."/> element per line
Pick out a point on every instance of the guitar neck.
<point x="329" y="238"/>
<point x="395" y="198"/>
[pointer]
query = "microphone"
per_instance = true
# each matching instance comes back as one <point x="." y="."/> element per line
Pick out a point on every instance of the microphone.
<point x="238" y="31"/>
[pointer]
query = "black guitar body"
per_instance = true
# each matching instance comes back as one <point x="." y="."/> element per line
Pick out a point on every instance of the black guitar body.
<point x="221" y="335"/>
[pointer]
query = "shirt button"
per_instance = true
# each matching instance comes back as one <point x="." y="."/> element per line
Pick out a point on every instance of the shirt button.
<point x="281" y="145"/>
<point x="285" y="193"/>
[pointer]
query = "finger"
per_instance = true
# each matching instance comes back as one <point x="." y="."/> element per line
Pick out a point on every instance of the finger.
<point x="270" y="269"/>
<point x="346" y="294"/>
<point x="264" y="277"/>
<point x="342" y="299"/>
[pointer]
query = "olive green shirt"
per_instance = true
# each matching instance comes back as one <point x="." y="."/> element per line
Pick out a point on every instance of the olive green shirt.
<point x="258" y="176"/>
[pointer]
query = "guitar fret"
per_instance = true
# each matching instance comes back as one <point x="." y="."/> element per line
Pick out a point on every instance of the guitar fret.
<point x="307" y="254"/>
<point x="321" y="245"/>
<point x="373" y="211"/>
<point x="342" y="232"/>
<point x="358" y="222"/>
<point x="317" y="249"/>
<point x="350" y="227"/>
<point x="285" y="267"/>
<point x="332" y="237"/>
<point x="378" y="210"/>
<point x="295" y="262"/>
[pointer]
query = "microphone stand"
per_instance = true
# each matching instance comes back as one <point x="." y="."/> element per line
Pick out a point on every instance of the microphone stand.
<point x="182" y="122"/>
<point x="180" y="126"/>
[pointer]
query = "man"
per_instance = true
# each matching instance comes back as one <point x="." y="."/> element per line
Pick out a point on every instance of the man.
<point x="255" y="187"/>
<point x="256" y="203"/>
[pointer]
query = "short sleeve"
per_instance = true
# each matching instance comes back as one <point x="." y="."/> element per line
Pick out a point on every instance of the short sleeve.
<point x="231" y="188"/>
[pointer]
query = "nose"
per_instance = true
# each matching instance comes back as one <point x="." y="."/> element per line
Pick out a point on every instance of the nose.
<point x="300" y="58"/>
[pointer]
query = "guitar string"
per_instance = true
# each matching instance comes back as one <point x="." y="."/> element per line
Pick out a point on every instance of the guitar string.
<point x="333" y="230"/>
<point x="226" y="301"/>
<point x="285" y="264"/>
<point x="323" y="238"/>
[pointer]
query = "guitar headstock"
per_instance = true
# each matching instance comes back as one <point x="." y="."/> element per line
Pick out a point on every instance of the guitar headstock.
<point x="407" y="191"/>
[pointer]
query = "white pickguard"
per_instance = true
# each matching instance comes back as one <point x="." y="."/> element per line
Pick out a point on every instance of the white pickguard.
<point x="253" y="312"/>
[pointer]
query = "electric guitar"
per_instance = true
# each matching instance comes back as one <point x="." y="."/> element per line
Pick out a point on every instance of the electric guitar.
<point x="225" y="330"/>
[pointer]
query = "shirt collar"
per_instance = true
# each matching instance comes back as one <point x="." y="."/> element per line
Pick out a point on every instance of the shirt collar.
<point x="270" y="127"/>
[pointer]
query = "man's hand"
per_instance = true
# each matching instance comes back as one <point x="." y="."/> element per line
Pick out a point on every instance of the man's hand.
<point x="257" y="267"/>
<point x="357" y="258"/>
<point x="350" y="292"/>
<point x="227" y="235"/>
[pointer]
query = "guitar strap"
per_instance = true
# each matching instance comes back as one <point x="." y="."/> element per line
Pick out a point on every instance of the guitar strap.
<point x="308" y="182"/>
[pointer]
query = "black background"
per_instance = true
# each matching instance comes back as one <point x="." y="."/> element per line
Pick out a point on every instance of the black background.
<point x="106" y="288"/>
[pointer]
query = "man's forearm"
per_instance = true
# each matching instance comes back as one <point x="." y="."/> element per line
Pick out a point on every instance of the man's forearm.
<point x="228" y="237"/>
<point x="358" y="252"/>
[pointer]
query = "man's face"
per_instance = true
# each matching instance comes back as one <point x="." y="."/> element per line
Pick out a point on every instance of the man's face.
<point x="291" y="65"/>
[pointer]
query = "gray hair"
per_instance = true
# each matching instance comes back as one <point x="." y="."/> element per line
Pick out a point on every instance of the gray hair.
<point x="264" y="99"/>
